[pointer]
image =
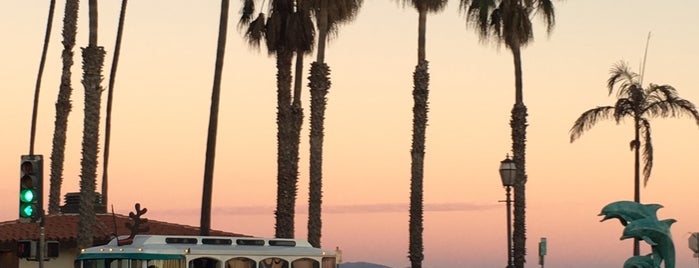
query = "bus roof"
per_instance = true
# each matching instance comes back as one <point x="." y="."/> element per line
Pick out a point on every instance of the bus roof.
<point x="177" y="246"/>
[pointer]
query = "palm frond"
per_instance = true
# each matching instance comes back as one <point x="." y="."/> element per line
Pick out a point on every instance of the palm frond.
<point x="622" y="108"/>
<point x="647" y="151"/>
<point x="495" y="23"/>
<point x="274" y="33"/>
<point x="256" y="31"/>
<point x="478" y="13"/>
<point x="546" y="9"/>
<point x="341" y="12"/>
<point x="246" y="13"/>
<point x="588" y="119"/>
<point x="518" y="30"/>
<point x="663" y="101"/>
<point x="300" y="31"/>
<point x="623" y="77"/>
<point x="427" y="5"/>
<point x="508" y="21"/>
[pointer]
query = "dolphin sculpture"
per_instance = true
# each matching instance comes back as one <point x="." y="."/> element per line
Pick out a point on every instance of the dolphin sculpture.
<point x="628" y="211"/>
<point x="657" y="234"/>
<point x="640" y="262"/>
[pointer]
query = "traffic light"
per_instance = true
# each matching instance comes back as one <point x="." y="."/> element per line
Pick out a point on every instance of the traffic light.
<point x="52" y="249"/>
<point x="26" y="249"/>
<point x="31" y="188"/>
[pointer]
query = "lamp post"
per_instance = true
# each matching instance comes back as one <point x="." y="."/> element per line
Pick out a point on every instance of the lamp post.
<point x="507" y="175"/>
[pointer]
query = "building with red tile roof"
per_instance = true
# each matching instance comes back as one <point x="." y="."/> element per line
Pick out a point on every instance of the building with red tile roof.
<point x="64" y="229"/>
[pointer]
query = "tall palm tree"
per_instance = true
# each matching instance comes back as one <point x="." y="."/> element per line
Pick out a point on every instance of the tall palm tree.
<point x="329" y="14"/>
<point x="110" y="94"/>
<point x="641" y="104"/>
<point x="509" y="22"/>
<point x="280" y="34"/>
<point x="93" y="60"/>
<point x="63" y="106"/>
<point x="421" y="80"/>
<point x="205" y="223"/>
<point x="305" y="32"/>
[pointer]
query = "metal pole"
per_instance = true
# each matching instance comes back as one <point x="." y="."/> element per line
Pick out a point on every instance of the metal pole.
<point x="42" y="235"/>
<point x="509" y="228"/>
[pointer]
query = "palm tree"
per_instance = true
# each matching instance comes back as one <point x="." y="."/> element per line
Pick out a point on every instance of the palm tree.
<point x="282" y="39"/>
<point x="93" y="59"/>
<point x="205" y="223"/>
<point x="421" y="79"/>
<point x="63" y="106"/>
<point x="329" y="14"/>
<point x="304" y="31"/>
<point x="110" y="93"/>
<point x="509" y="22"/>
<point x="641" y="104"/>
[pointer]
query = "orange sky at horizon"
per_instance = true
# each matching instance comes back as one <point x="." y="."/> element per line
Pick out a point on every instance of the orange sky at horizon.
<point x="162" y="100"/>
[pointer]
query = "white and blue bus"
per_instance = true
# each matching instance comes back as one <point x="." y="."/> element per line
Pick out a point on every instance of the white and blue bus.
<point x="163" y="251"/>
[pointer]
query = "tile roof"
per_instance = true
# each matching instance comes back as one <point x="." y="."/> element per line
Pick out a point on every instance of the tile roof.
<point x="64" y="228"/>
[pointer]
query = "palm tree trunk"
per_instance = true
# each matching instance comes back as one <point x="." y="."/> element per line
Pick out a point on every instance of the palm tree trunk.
<point x="421" y="79"/>
<point x="93" y="58"/>
<point x="322" y="30"/>
<point x="63" y="106"/>
<point x="92" y="4"/>
<point x="40" y="73"/>
<point x="519" y="133"/>
<point x="319" y="85"/>
<point x="637" y="172"/>
<point x="422" y="32"/>
<point x="205" y="221"/>
<point x="294" y="139"/>
<point x="286" y="184"/>
<point x="110" y="93"/>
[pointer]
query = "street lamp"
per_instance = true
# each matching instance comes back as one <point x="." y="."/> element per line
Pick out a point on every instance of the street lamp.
<point x="508" y="169"/>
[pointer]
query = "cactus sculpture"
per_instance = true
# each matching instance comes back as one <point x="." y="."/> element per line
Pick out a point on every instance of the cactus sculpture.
<point x="641" y="221"/>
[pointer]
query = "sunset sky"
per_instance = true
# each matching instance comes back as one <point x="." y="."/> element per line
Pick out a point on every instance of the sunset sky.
<point x="161" y="112"/>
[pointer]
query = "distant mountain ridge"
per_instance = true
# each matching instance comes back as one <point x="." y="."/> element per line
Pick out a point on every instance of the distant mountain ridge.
<point x="361" y="265"/>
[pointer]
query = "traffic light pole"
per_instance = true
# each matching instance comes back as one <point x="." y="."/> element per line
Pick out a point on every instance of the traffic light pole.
<point x="42" y="238"/>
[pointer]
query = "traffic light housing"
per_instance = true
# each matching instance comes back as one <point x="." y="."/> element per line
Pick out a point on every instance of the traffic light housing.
<point x="26" y="249"/>
<point x="52" y="249"/>
<point x="31" y="188"/>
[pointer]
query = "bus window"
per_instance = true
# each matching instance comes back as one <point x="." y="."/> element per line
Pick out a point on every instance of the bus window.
<point x="328" y="262"/>
<point x="274" y="263"/>
<point x="123" y="263"/>
<point x="203" y="263"/>
<point x="305" y="263"/>
<point x="178" y="263"/>
<point x="241" y="262"/>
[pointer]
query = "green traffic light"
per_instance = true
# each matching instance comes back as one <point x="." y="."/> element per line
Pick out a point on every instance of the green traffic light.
<point x="27" y="195"/>
<point x="26" y="211"/>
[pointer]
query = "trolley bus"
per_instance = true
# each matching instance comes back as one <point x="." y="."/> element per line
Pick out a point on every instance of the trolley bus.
<point x="163" y="251"/>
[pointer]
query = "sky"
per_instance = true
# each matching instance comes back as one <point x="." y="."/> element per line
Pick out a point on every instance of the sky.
<point x="161" y="111"/>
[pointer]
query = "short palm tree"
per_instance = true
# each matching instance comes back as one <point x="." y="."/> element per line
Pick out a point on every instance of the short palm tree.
<point x="329" y="15"/>
<point x="281" y="32"/>
<point x="93" y="60"/>
<point x="510" y="23"/>
<point x="421" y="81"/>
<point x="641" y="104"/>
<point x="63" y="106"/>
